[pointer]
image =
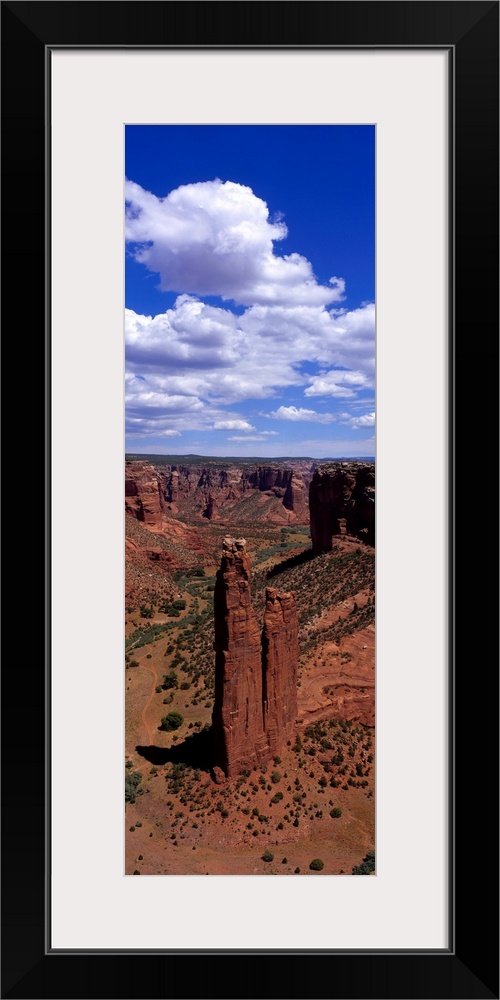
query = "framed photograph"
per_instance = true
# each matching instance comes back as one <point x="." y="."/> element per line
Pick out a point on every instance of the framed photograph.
<point x="87" y="92"/>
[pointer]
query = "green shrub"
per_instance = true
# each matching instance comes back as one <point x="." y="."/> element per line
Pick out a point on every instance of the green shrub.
<point x="316" y="865"/>
<point x="132" y="781"/>
<point x="170" y="680"/>
<point x="268" y="856"/>
<point x="336" y="812"/>
<point x="172" y="721"/>
<point x="367" y="866"/>
<point x="275" y="777"/>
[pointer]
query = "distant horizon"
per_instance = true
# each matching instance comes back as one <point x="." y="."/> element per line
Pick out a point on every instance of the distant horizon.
<point x="250" y="289"/>
<point x="132" y="455"/>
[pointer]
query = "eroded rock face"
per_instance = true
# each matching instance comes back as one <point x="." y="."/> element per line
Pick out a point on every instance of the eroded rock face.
<point x="255" y="676"/>
<point x="280" y="656"/>
<point x="295" y="497"/>
<point x="342" y="501"/>
<point x="213" y="488"/>
<point x="143" y="493"/>
<point x="238" y="725"/>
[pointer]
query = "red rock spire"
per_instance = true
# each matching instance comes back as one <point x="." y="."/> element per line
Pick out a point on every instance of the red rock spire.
<point x="255" y="677"/>
<point x="238" y="725"/>
<point x="280" y="650"/>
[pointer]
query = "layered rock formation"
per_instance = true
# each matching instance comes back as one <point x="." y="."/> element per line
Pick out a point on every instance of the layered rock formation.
<point x="295" y="497"/>
<point x="237" y="721"/>
<point x="255" y="677"/>
<point x="342" y="501"/>
<point x="212" y="487"/>
<point x="280" y="656"/>
<point x="214" y="490"/>
<point x="143" y="493"/>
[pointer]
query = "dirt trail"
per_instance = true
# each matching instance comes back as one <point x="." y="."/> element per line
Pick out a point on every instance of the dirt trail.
<point x="154" y="675"/>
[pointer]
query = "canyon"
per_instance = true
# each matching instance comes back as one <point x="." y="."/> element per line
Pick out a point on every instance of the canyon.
<point x="214" y="489"/>
<point x="254" y="627"/>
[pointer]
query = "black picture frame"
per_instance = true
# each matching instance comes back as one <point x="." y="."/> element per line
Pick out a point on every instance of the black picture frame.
<point x="469" y="969"/>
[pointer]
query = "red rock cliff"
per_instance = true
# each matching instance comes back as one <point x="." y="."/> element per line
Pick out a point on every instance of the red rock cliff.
<point x="213" y="487"/>
<point x="342" y="501"/>
<point x="255" y="676"/>
<point x="143" y="493"/>
<point x="237" y="721"/>
<point x="280" y="650"/>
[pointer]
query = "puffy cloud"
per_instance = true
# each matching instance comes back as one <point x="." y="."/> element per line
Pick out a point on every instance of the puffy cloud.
<point x="366" y="420"/>
<point x="342" y="384"/>
<point x="299" y="413"/>
<point x="209" y="351"/>
<point x="216" y="238"/>
<point x="189" y="364"/>
<point x="191" y="335"/>
<point x="233" y="425"/>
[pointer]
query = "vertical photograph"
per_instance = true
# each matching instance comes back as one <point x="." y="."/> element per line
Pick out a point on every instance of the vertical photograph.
<point x="249" y="500"/>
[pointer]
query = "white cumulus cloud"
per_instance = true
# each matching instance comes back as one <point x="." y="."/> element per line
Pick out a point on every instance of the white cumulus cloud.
<point x="366" y="420"/>
<point x="300" y="413"/>
<point x="216" y="238"/>
<point x="233" y="425"/>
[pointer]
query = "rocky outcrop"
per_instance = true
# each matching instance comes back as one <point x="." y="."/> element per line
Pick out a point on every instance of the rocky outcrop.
<point x="280" y="655"/>
<point x="295" y="497"/>
<point x="255" y="676"/>
<point x="210" y="511"/>
<point x="212" y="487"/>
<point x="237" y="721"/>
<point x="143" y="493"/>
<point x="342" y="502"/>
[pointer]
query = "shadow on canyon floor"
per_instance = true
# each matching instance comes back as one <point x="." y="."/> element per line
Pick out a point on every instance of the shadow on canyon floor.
<point x="195" y="751"/>
<point x="290" y="563"/>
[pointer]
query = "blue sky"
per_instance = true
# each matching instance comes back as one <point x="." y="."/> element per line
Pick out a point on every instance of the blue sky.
<point x="249" y="284"/>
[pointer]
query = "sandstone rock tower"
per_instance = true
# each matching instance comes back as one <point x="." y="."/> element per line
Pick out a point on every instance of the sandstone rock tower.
<point x="280" y="654"/>
<point x="255" y="677"/>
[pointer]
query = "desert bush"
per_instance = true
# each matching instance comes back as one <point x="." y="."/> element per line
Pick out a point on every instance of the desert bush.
<point x="172" y="721"/>
<point x="170" y="680"/>
<point x="268" y="856"/>
<point x="336" y="812"/>
<point x="367" y="866"/>
<point x="316" y="865"/>
<point x="132" y="781"/>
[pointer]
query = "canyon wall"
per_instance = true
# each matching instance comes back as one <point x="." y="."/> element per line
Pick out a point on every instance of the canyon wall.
<point x="342" y="502"/>
<point x="212" y="486"/>
<point x="213" y="490"/>
<point x="255" y="676"/>
<point x="143" y="493"/>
